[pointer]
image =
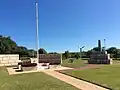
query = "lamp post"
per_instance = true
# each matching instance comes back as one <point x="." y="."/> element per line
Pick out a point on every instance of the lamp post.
<point x="81" y="51"/>
<point x="37" y="35"/>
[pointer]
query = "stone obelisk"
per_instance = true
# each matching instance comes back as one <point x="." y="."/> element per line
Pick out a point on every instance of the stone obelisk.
<point x="99" y="46"/>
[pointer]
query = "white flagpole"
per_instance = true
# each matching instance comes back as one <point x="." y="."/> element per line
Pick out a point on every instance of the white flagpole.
<point x="37" y="35"/>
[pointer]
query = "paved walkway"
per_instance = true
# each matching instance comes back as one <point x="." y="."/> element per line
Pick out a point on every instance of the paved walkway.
<point x="82" y="68"/>
<point x="73" y="81"/>
<point x="12" y="71"/>
<point x="87" y="67"/>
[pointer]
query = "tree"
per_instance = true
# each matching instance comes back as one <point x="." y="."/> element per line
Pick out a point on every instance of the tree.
<point x="66" y="54"/>
<point x="112" y="50"/>
<point x="96" y="49"/>
<point x="77" y="55"/>
<point x="22" y="51"/>
<point x="72" y="54"/>
<point x="32" y="53"/>
<point x="7" y="45"/>
<point x="118" y="53"/>
<point x="88" y="53"/>
<point x="42" y="51"/>
<point x="53" y="53"/>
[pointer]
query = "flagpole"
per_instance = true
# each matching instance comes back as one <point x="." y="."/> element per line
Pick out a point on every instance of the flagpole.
<point x="37" y="35"/>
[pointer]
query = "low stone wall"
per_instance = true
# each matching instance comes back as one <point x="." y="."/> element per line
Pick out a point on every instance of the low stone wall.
<point x="9" y="59"/>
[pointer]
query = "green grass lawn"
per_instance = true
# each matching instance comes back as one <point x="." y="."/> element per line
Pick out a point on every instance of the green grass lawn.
<point x="31" y="81"/>
<point x="107" y="75"/>
<point x="76" y="64"/>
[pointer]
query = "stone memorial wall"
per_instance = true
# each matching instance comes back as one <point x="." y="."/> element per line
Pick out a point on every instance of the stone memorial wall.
<point x="100" y="56"/>
<point x="9" y="59"/>
<point x="53" y="59"/>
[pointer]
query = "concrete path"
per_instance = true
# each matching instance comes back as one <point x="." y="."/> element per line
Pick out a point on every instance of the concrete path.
<point x="12" y="71"/>
<point x="73" y="81"/>
<point x="82" y="68"/>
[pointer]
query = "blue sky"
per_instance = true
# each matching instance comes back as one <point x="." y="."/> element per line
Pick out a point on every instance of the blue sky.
<point x="63" y="24"/>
